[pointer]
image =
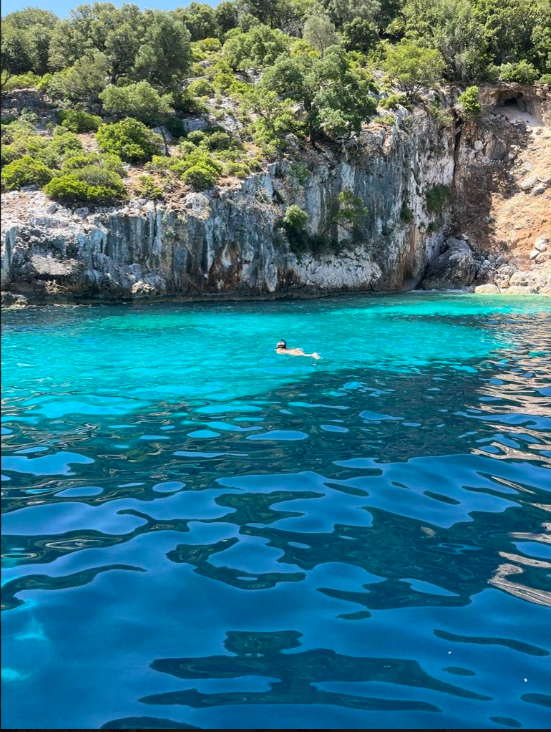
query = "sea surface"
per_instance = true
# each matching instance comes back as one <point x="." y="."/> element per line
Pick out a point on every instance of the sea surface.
<point x="201" y="533"/>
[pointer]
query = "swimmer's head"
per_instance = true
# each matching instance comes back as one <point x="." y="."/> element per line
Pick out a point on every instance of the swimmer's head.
<point x="281" y="344"/>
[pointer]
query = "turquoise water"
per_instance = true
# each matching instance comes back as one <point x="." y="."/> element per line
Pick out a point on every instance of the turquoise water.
<point x="198" y="532"/>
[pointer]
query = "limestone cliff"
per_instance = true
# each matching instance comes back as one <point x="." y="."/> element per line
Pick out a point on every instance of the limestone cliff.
<point x="229" y="242"/>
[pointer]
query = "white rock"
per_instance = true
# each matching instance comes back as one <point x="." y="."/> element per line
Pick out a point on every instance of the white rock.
<point x="527" y="183"/>
<point x="534" y="253"/>
<point x="52" y="208"/>
<point x="478" y="145"/>
<point x="488" y="289"/>
<point x="539" y="189"/>
<point x="541" y="244"/>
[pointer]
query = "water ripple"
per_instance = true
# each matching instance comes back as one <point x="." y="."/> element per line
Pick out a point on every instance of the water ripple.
<point x="357" y="540"/>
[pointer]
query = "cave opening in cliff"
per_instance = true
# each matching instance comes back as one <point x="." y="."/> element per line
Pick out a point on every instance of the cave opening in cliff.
<point x="512" y="102"/>
<point x="517" y="107"/>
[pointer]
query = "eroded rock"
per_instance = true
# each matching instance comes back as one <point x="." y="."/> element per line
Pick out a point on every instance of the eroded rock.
<point x="455" y="268"/>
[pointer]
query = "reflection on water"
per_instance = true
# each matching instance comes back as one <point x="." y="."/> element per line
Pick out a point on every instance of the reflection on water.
<point x="358" y="543"/>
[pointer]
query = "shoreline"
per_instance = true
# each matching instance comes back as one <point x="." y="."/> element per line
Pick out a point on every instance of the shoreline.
<point x="227" y="298"/>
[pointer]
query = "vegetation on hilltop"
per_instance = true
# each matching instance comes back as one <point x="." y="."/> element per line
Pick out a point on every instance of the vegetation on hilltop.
<point x="269" y="72"/>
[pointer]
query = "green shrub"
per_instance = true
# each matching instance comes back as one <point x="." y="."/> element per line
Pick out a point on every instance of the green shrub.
<point x="130" y="139"/>
<point x="29" y="80"/>
<point x="201" y="88"/>
<point x="9" y="154"/>
<point x="238" y="170"/>
<point x="198" y="169"/>
<point x="25" y="172"/>
<point x="187" y="147"/>
<point x="160" y="163"/>
<point x="385" y="119"/>
<point x="294" y="224"/>
<point x="176" y="127"/>
<point x="185" y="103"/>
<point x="406" y="214"/>
<point x="76" y="120"/>
<point x="469" y="102"/>
<point x="32" y="145"/>
<point x="522" y="72"/>
<point x="196" y="137"/>
<point x="393" y="100"/>
<point x="148" y="188"/>
<point x="295" y="218"/>
<point x="63" y="145"/>
<point x="91" y="184"/>
<point x="441" y="116"/>
<point x="218" y="141"/>
<point x="44" y="82"/>
<point x="140" y="101"/>
<point x="208" y="45"/>
<point x="16" y="129"/>
<point x="204" y="159"/>
<point x="437" y="197"/>
<point x="109" y="162"/>
<point x="545" y="79"/>
<point x="200" y="177"/>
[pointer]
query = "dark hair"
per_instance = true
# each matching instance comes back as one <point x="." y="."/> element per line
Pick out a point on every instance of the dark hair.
<point x="281" y="344"/>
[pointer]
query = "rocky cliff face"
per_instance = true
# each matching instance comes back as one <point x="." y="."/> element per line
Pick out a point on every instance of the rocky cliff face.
<point x="228" y="242"/>
<point x="502" y="190"/>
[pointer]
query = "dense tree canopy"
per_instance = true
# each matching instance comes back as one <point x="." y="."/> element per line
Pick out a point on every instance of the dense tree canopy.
<point x="282" y="70"/>
<point x="473" y="37"/>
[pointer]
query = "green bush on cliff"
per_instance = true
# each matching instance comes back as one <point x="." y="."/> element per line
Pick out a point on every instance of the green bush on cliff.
<point x="201" y="161"/>
<point x="393" y="100"/>
<point x="201" y="88"/>
<point x="140" y="100"/>
<point x="294" y="225"/>
<point x="130" y="139"/>
<point x="91" y="184"/>
<point x="200" y="178"/>
<point x="148" y="188"/>
<point x="109" y="162"/>
<point x="25" y="172"/>
<point x="61" y="146"/>
<point x="437" y="198"/>
<point x="469" y="102"/>
<point x="76" y="120"/>
<point x="237" y="170"/>
<point x="522" y="72"/>
<point x="295" y="218"/>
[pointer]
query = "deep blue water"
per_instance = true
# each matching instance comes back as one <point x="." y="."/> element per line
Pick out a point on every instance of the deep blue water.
<point x="199" y="532"/>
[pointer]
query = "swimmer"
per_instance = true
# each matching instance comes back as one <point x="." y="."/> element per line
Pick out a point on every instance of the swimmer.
<point x="282" y="348"/>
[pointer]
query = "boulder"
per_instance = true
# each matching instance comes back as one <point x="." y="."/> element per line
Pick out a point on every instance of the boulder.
<point x="11" y="300"/>
<point x="541" y="244"/>
<point x="454" y="269"/>
<point x="496" y="149"/>
<point x="487" y="290"/>
<point x="528" y="183"/>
